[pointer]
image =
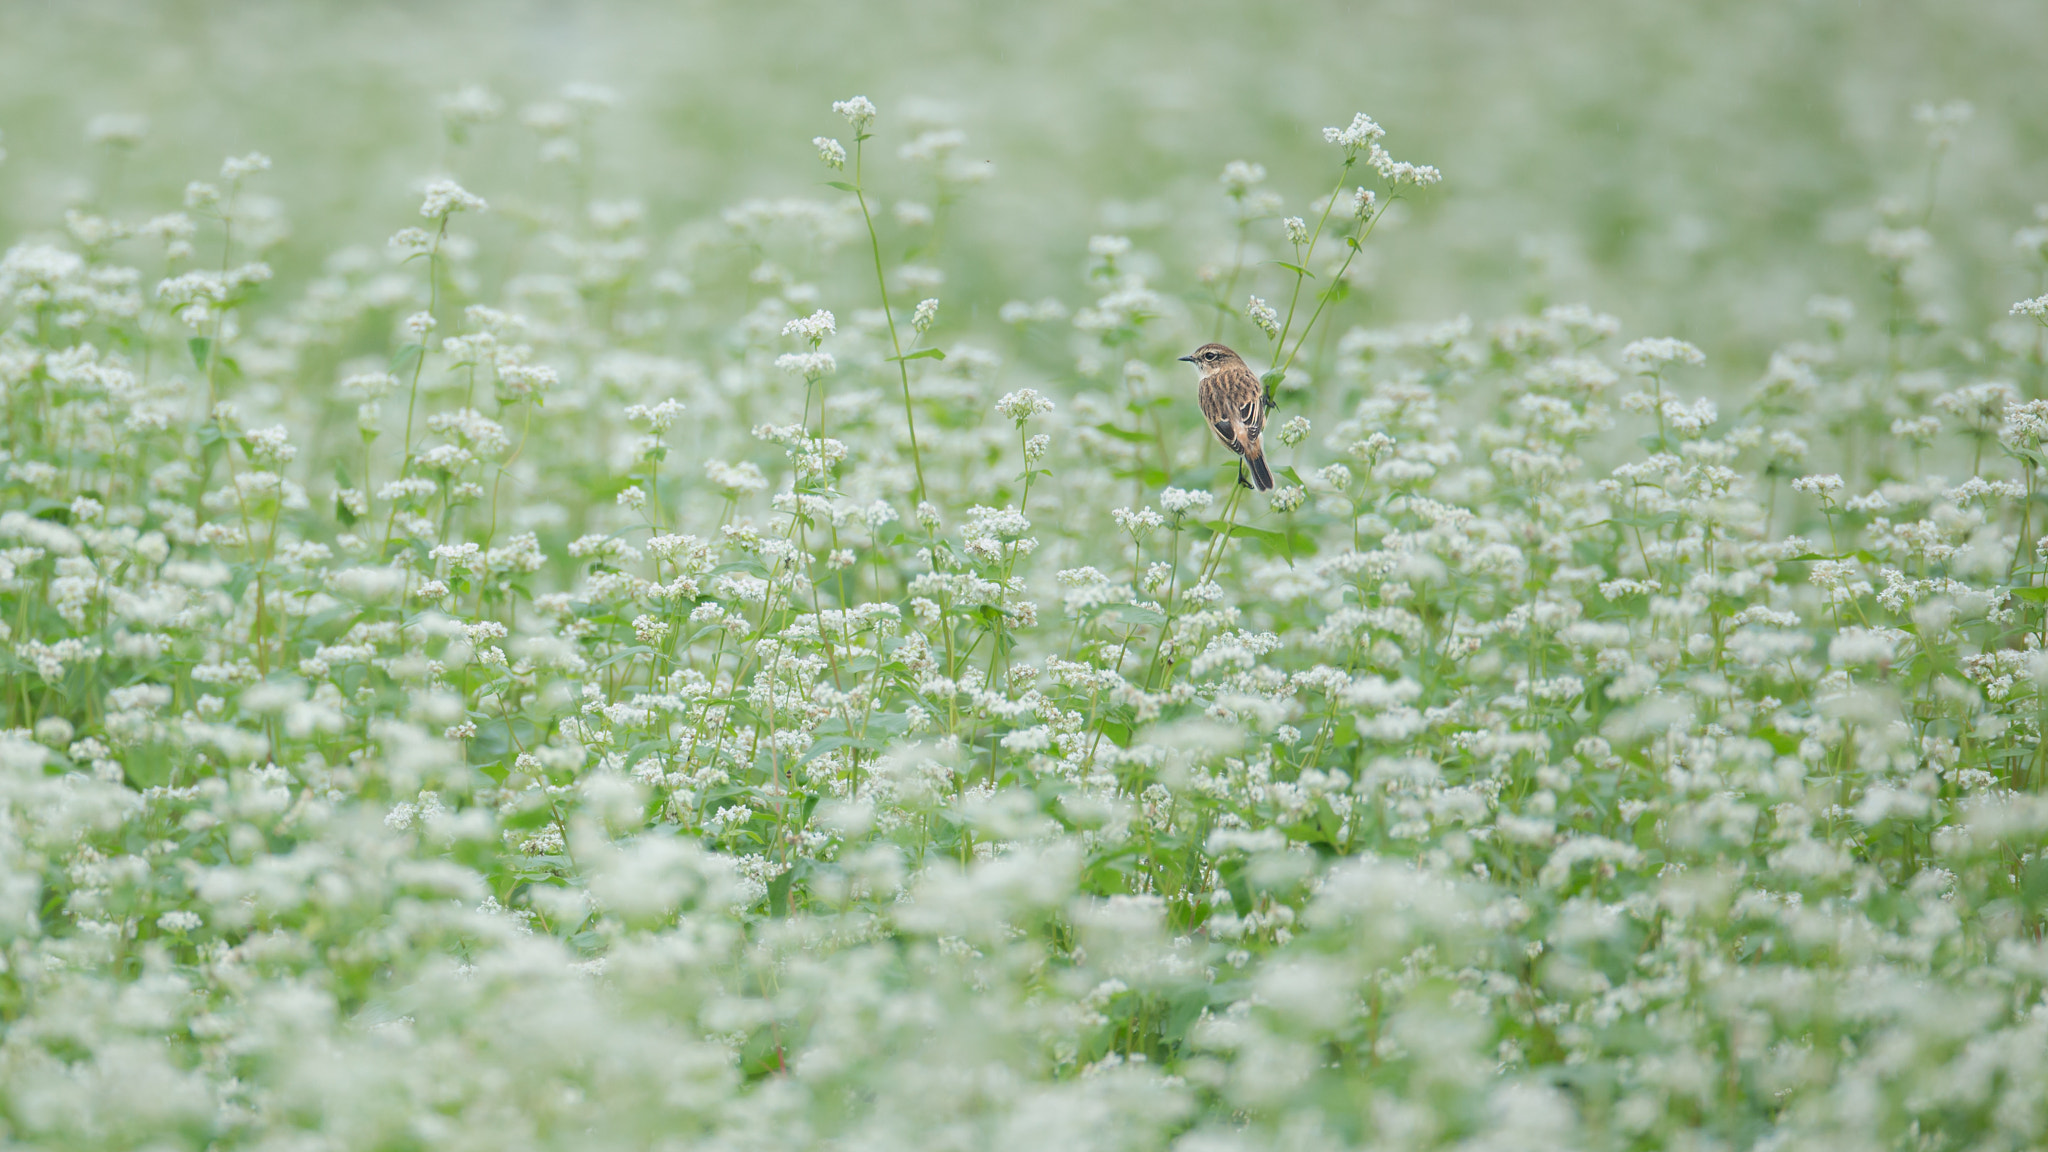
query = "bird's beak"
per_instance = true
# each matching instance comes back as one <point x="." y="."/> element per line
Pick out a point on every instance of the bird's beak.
<point x="1189" y="359"/>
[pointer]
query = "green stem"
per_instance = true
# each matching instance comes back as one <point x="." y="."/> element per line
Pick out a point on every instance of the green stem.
<point x="888" y="314"/>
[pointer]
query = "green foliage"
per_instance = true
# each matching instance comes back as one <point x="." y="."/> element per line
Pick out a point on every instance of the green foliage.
<point x="708" y="716"/>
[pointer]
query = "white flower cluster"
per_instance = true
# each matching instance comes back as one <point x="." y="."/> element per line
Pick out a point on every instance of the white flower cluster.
<point x="445" y="197"/>
<point x="407" y="742"/>
<point x="1023" y="404"/>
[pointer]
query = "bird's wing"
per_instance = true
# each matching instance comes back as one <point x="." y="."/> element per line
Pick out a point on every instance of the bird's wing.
<point x="1218" y="410"/>
<point x="1247" y="402"/>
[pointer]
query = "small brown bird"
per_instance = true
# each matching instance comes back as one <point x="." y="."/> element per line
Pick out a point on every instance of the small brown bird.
<point x="1235" y="403"/>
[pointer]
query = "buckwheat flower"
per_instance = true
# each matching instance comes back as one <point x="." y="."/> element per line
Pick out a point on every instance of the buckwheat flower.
<point x="927" y="311"/>
<point x="809" y="365"/>
<point x="1790" y="445"/>
<point x="1944" y="122"/>
<point x="1824" y="486"/>
<point x="1335" y="476"/>
<point x="1898" y="245"/>
<point x="548" y="118"/>
<point x="1649" y="356"/>
<point x="859" y="112"/>
<point x="650" y="630"/>
<point x="1263" y="315"/>
<point x="271" y="445"/>
<point x="411" y="240"/>
<point x="179" y="921"/>
<point x="877" y="513"/>
<point x="1402" y="172"/>
<point x="116" y="130"/>
<point x="1239" y="176"/>
<point x="472" y="104"/>
<point x="920" y="277"/>
<point x="2025" y="424"/>
<point x="1109" y="248"/>
<point x="1690" y="419"/>
<point x="632" y="499"/>
<point x="368" y="385"/>
<point x="1864" y="646"/>
<point x="1035" y="448"/>
<point x="1294" y="431"/>
<point x="587" y="97"/>
<point x="659" y="417"/>
<point x="526" y="379"/>
<point x="1361" y="133"/>
<point x="1178" y="502"/>
<point x="2037" y="308"/>
<point x="446" y="197"/>
<point x="236" y="168"/>
<point x="1297" y="230"/>
<point x="1920" y="431"/>
<point x="933" y="145"/>
<point x="1023" y="404"/>
<point x="735" y="479"/>
<point x="1289" y="498"/>
<point x="813" y="328"/>
<point x="927" y="516"/>
<point x="1834" y="310"/>
<point x="418" y="325"/>
<point x="726" y="818"/>
<point x="830" y="151"/>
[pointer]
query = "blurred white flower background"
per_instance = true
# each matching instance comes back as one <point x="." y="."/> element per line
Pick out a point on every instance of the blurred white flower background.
<point x="628" y="575"/>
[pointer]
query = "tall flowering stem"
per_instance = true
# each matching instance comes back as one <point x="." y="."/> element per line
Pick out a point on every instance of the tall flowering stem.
<point x="860" y="112"/>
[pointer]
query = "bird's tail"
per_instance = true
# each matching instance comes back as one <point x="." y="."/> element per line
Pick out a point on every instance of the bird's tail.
<point x="1257" y="459"/>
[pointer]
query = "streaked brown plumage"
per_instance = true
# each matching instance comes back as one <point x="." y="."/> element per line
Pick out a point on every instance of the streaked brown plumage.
<point x="1234" y="402"/>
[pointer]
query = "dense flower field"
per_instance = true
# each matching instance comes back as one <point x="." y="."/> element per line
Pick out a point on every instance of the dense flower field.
<point x="549" y="684"/>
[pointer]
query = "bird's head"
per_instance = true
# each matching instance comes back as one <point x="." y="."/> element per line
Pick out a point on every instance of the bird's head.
<point x="1212" y="357"/>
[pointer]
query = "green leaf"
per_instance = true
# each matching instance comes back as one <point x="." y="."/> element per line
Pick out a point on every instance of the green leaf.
<point x="239" y="578"/>
<point x="403" y="360"/>
<point x="200" y="347"/>
<point x="833" y="744"/>
<point x="842" y="185"/>
<point x="778" y="893"/>
<point x="342" y="513"/>
<point x="1136" y="614"/>
<point x="920" y="354"/>
<point x="624" y="654"/>
<point x="537" y="816"/>
<point x="2033" y="595"/>
<point x="1123" y="434"/>
<point x="1296" y="268"/>
<point x="1240" y="531"/>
